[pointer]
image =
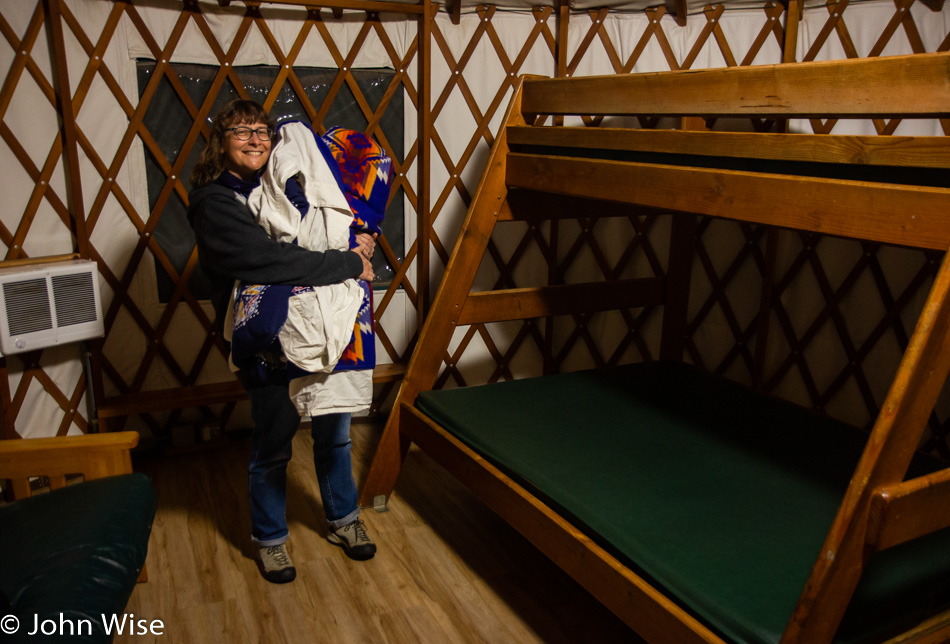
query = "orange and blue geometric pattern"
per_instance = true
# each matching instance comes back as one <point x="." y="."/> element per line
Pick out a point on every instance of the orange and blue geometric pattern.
<point x="366" y="173"/>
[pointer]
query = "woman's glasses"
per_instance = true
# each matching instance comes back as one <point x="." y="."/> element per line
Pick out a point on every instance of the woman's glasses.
<point x="244" y="133"/>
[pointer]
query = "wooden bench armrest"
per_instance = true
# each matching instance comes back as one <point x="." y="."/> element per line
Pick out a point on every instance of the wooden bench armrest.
<point x="903" y="511"/>
<point x="91" y="455"/>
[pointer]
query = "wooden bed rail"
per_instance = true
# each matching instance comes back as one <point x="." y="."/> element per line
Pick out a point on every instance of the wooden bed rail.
<point x="804" y="203"/>
<point x="862" y="87"/>
<point x="618" y="588"/>
<point x="915" y="151"/>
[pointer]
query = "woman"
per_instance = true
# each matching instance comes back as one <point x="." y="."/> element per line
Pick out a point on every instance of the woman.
<point x="232" y="246"/>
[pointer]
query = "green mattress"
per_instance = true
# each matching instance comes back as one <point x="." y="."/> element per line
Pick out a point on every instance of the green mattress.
<point x="720" y="496"/>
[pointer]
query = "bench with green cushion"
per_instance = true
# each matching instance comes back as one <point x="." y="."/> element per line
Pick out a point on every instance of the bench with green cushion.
<point x="76" y="552"/>
<point x="720" y="496"/>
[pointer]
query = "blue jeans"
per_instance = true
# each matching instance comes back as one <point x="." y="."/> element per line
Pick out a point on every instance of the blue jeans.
<point x="275" y="423"/>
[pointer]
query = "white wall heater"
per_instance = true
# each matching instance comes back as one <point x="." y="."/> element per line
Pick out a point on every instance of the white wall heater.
<point x="48" y="304"/>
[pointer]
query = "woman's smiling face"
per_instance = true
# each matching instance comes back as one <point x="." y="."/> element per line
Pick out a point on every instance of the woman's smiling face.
<point x="245" y="159"/>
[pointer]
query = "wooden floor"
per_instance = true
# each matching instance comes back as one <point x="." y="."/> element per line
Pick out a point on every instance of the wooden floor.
<point x="447" y="569"/>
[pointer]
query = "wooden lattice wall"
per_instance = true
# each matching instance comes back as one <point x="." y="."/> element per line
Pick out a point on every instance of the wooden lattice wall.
<point x="455" y="69"/>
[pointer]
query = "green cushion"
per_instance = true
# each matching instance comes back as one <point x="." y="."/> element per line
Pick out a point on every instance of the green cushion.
<point x="76" y="551"/>
<point x="720" y="496"/>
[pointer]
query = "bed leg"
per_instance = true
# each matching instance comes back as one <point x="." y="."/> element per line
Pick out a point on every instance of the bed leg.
<point x="387" y="462"/>
<point x="379" y="503"/>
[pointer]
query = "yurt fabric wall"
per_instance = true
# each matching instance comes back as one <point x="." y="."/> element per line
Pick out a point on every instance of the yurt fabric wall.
<point x="829" y="339"/>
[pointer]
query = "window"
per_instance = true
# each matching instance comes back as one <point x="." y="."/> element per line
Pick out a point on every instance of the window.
<point x="168" y="122"/>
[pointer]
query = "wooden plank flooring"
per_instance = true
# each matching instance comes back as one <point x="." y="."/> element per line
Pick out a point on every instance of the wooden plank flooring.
<point x="447" y="569"/>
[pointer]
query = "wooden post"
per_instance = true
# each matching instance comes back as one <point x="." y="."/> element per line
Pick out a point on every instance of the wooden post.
<point x="563" y="23"/>
<point x="74" y="198"/>
<point x="765" y="308"/>
<point x="7" y="419"/>
<point x="67" y="118"/>
<point x="793" y="16"/>
<point x="424" y="217"/>
<point x="678" y="276"/>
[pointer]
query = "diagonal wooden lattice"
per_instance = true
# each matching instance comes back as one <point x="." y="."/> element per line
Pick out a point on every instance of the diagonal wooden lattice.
<point x="511" y="64"/>
<point x="595" y="33"/>
<point x="120" y="279"/>
<point x="565" y="246"/>
<point x="746" y="355"/>
<point x="808" y="262"/>
<point x="712" y="29"/>
<point x="901" y="20"/>
<point x="315" y="113"/>
<point x="33" y="371"/>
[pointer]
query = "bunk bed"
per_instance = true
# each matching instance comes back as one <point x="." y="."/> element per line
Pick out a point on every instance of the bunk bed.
<point x="695" y="508"/>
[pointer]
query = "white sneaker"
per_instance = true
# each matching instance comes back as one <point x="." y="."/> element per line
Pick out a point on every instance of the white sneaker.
<point x="353" y="539"/>
<point x="276" y="566"/>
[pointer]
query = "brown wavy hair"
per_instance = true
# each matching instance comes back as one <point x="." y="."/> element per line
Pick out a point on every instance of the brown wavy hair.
<point x="211" y="160"/>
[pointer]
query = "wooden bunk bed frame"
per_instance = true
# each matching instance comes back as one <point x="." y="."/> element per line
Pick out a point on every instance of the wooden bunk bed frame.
<point x="537" y="172"/>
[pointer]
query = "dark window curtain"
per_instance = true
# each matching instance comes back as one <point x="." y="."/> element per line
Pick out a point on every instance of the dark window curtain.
<point x="168" y="123"/>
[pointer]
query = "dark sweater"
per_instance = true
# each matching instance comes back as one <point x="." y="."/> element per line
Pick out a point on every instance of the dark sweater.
<point x="232" y="246"/>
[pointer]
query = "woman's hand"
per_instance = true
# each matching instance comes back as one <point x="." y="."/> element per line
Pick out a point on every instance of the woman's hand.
<point x="367" y="274"/>
<point x="366" y="244"/>
<point x="365" y="247"/>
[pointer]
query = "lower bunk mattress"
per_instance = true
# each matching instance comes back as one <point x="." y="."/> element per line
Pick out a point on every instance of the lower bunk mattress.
<point x="718" y="495"/>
